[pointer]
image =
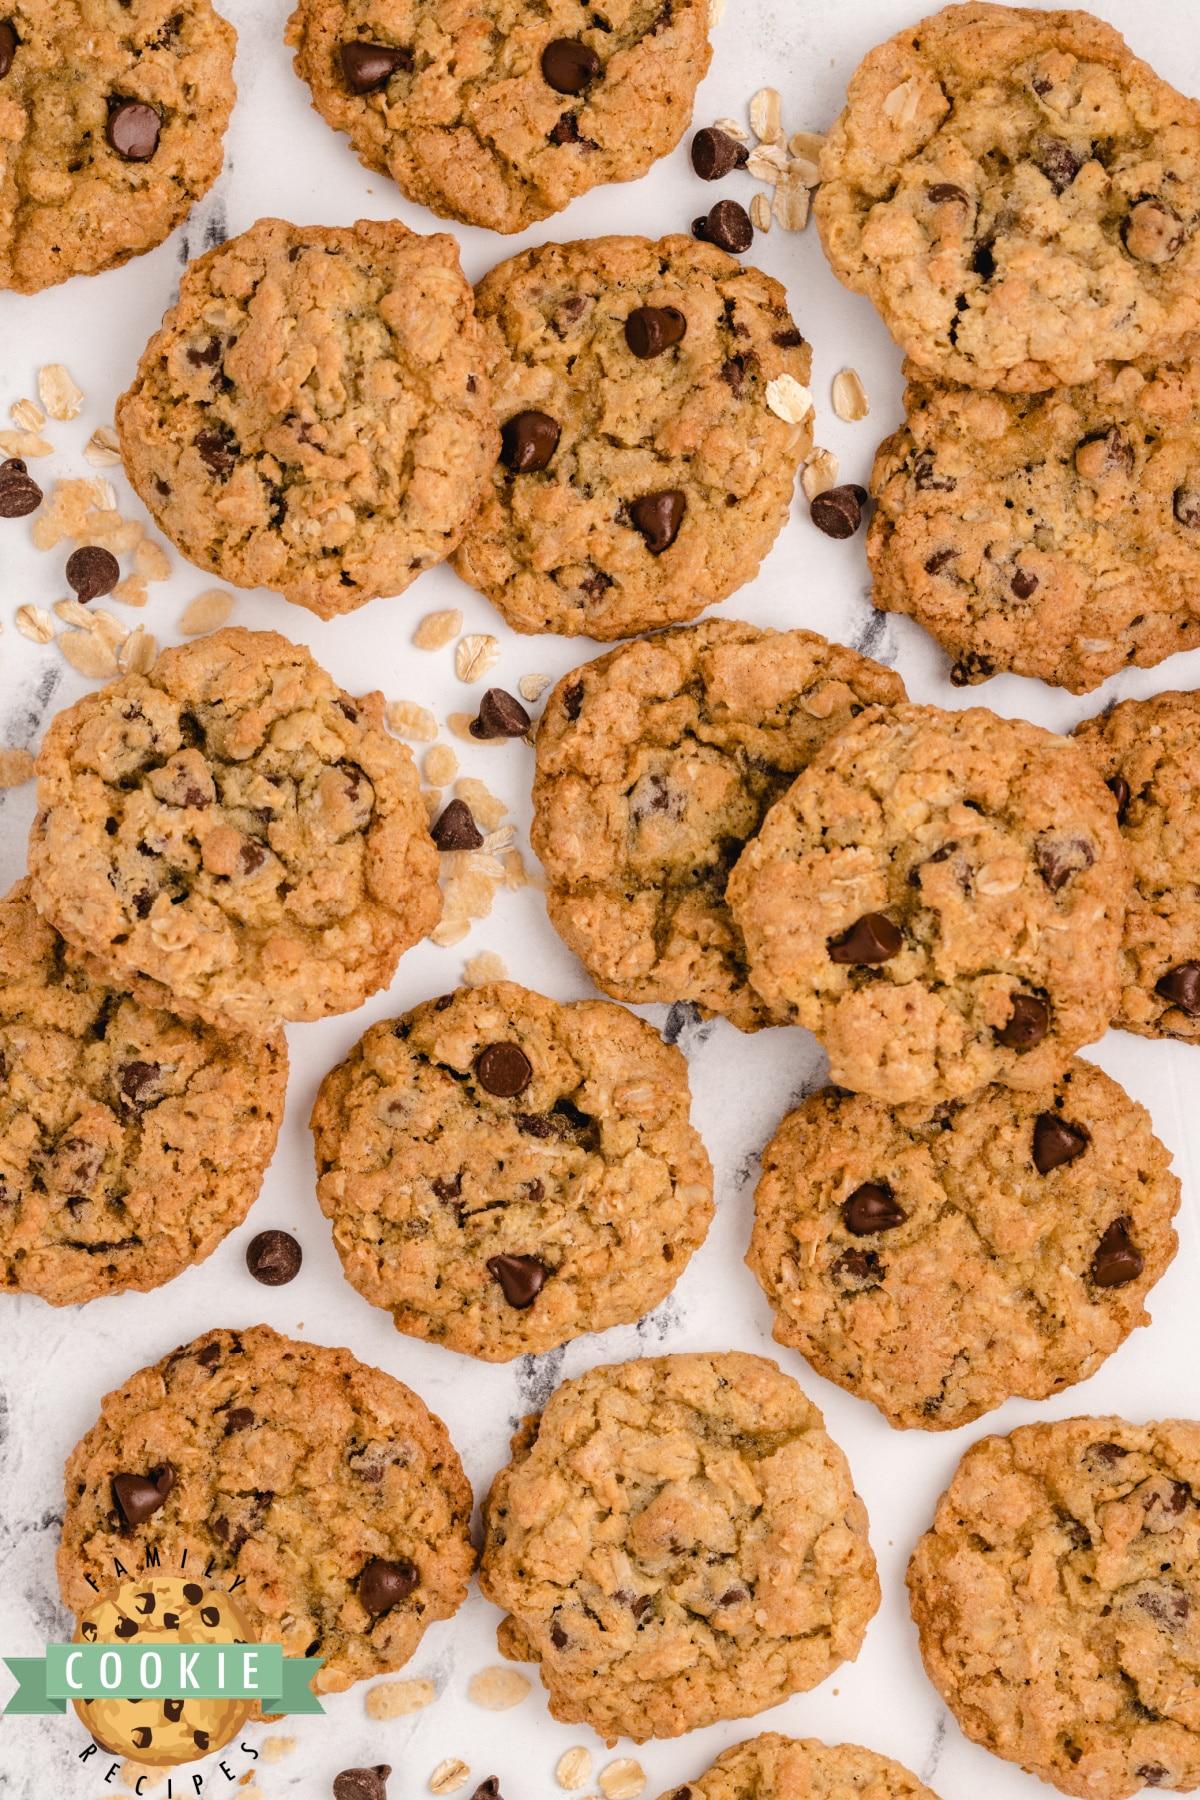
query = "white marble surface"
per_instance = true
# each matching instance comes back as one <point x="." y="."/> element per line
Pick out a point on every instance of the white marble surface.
<point x="55" y="1365"/>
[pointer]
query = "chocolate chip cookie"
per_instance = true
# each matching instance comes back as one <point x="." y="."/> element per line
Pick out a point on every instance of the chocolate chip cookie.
<point x="655" y="764"/>
<point x="1057" y="1598"/>
<point x="323" y="1494"/>
<point x="677" y="1541"/>
<point x="1018" y="194"/>
<point x="772" y="1767"/>
<point x="1053" y="534"/>
<point x="1148" y="751"/>
<point x="498" y="113"/>
<point x="313" y="415"/>
<point x="647" y="459"/>
<point x="234" y="834"/>
<point x="939" y="897"/>
<point x="131" y="1141"/>
<point x="937" y="1259"/>
<point x="504" y="1172"/>
<point x="111" y="127"/>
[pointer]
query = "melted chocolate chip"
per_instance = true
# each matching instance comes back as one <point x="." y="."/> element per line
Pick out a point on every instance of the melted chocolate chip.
<point x="1060" y="858"/>
<point x="1187" y="507"/>
<point x="872" y="1208"/>
<point x="501" y="715"/>
<point x="872" y="939"/>
<point x="944" y="192"/>
<point x="1058" y="162"/>
<point x="727" y="225"/>
<point x="138" y="1085"/>
<point x="658" y="518"/>
<point x="838" y="511"/>
<point x="503" y="1070"/>
<point x="1118" y="787"/>
<point x="218" y="449"/>
<point x="925" y="478"/>
<point x="1024" y="584"/>
<point x="1117" y="1261"/>
<point x="1056" y="1142"/>
<point x="92" y="571"/>
<point x="383" y="1584"/>
<point x="858" y="1269"/>
<point x="558" y="1636"/>
<point x="238" y="1418"/>
<point x="572" y="699"/>
<point x="455" y="829"/>
<point x="528" y="441"/>
<point x="8" y="46"/>
<point x="1181" y="986"/>
<point x="715" y="154"/>
<point x="133" y="129"/>
<point x="569" y="66"/>
<point x="274" y="1258"/>
<point x="649" y="330"/>
<point x="368" y="67"/>
<point x="210" y="1356"/>
<point x="521" y="1277"/>
<point x="1028" y="1023"/>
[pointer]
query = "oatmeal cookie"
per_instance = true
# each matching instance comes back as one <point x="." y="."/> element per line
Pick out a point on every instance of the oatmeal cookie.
<point x="1019" y="195"/>
<point x="505" y="1172"/>
<point x="498" y="113"/>
<point x="937" y="1259"/>
<point x="644" y="472"/>
<point x="325" y="1489"/>
<point x="112" y="118"/>
<point x="1057" y="1598"/>
<point x="1055" y="534"/>
<point x="939" y="897"/>
<point x="313" y="415"/>
<point x="655" y="764"/>
<point x="677" y="1541"/>
<point x="1148" y="752"/>
<point x="772" y="1767"/>
<point x="131" y="1141"/>
<point x="234" y="834"/>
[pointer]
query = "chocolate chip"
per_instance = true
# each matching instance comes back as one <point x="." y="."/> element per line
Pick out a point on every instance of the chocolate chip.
<point x="1056" y="1143"/>
<point x="715" y="154"/>
<point x="274" y="1258"/>
<point x="1059" y="858"/>
<point x="238" y="1418"/>
<point x="1181" y="986"/>
<point x="1118" y="787"/>
<point x="569" y="66"/>
<point x="649" y="330"/>
<point x="210" y="1356"/>
<point x="872" y="939"/>
<point x="218" y="449"/>
<point x="596" y="584"/>
<point x="173" y="1708"/>
<point x="488" y="1789"/>
<point x="727" y="225"/>
<point x="210" y="1616"/>
<point x="838" y="511"/>
<point x="658" y="518"/>
<point x="1105" y="453"/>
<point x="1058" y="162"/>
<point x="1024" y="584"/>
<point x="137" y="1083"/>
<point x="8" y="46"/>
<point x="371" y="66"/>
<point x="501" y="715"/>
<point x="527" y="442"/>
<point x="572" y="700"/>
<point x="127" y="1628"/>
<point x="1028" y="1023"/>
<point x="383" y="1584"/>
<point x="1109" y="1454"/>
<point x="205" y="355"/>
<point x="1153" y="1774"/>
<point x="872" y="1208"/>
<point x="788" y="339"/>
<point x="521" y="1277"/>
<point x="1153" y="232"/>
<point x="200" y="1739"/>
<point x="503" y="1070"/>
<point x="193" y="1593"/>
<point x="19" y="492"/>
<point x="924" y="477"/>
<point x="1187" y="506"/>
<point x="944" y="191"/>
<point x="137" y="1497"/>
<point x="1116" y="1260"/>
<point x="456" y="829"/>
<point x="362" y="1784"/>
<point x="567" y="132"/>
<point x="133" y="129"/>
<point x="558" y="1636"/>
<point x="92" y="571"/>
<point x="145" y="1603"/>
<point x="142" y="1737"/>
<point x="970" y="669"/>
<point x="858" y="1268"/>
<point x="984" y="261"/>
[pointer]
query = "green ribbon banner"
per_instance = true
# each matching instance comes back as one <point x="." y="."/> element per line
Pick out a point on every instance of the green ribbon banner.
<point x="164" y="1671"/>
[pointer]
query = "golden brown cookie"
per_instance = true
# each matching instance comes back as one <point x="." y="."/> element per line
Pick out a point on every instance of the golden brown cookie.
<point x="772" y="1767"/>
<point x="326" y="1489"/>
<point x="504" y="1172"/>
<point x="131" y="1141"/>
<point x="234" y="834"/>
<point x="313" y="414"/>
<point x="937" y="1259"/>
<point x="649" y="455"/>
<point x="497" y="113"/>
<point x="677" y="1541"/>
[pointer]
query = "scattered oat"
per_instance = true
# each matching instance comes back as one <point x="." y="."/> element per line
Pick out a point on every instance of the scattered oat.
<point x="485" y="808"/>
<point x="900" y="106"/>
<point x="850" y="396"/>
<point x="475" y="655"/>
<point x="622" y="1780"/>
<point x="804" y="169"/>
<point x="716" y="12"/>
<point x="760" y="213"/>
<point x="447" y="934"/>
<point x="152" y="561"/>
<point x="139" y="653"/>
<point x="449" y="1776"/>
<point x="440" y="766"/>
<point x="432" y="800"/>
<point x="409" y="720"/>
<point x="479" y="970"/>
<point x="27" y="415"/>
<point x="574" y="1768"/>
<point x="392" y="1699"/>
<point x="767" y="163"/>
<point x="254" y="1792"/>
<point x="819" y="474"/>
<point x="60" y="396"/>
<point x="807" y="143"/>
<point x="25" y="444"/>
<point x="207" y="612"/>
<point x="791" y="203"/>
<point x="109" y="630"/>
<point x="103" y="448"/>
<point x="437" y="629"/>
<point x="35" y="623"/>
<point x="732" y="128"/>
<point x="788" y="399"/>
<point x="459" y="724"/>
<point x="496" y="1689"/>
<point x="131" y="591"/>
<point x="516" y="875"/>
<point x="276" y="1749"/>
<point x="88" y="653"/>
<point x="102" y="491"/>
<point x="766" y="116"/>
<point x="75" y="613"/>
<point x="16" y="768"/>
<point x="532" y="687"/>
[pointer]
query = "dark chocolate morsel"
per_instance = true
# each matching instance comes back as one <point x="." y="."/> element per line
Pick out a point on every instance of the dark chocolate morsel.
<point x="127" y="1628"/>
<point x="872" y="939"/>
<point x="1057" y="161"/>
<point x="715" y="154"/>
<point x="92" y="571"/>
<point x="200" y="1739"/>
<point x="1028" y="1023"/>
<point x="838" y="511"/>
<point x="1024" y="584"/>
<point x="501" y="715"/>
<point x="383" y="1584"/>
<point x="658" y="518"/>
<point x="1181" y="986"/>
<point x="727" y="225"/>
<point x="943" y="191"/>
<point x="488" y="1789"/>
<point x="521" y="1277"/>
<point x="527" y="442"/>
<point x="210" y="1616"/>
<point x="362" y="1784"/>
<point x="503" y="1070"/>
<point x="569" y="66"/>
<point x="371" y="66"/>
<point x="572" y="699"/>
<point x="238" y="1418"/>
<point x="1061" y="858"/>
<point x="274" y="1258"/>
<point x="455" y="829"/>
<point x="8" y="46"/>
<point x="137" y="1497"/>
<point x="193" y="1593"/>
<point x="1056" y="1142"/>
<point x="19" y="492"/>
<point x="1117" y="1261"/>
<point x="1118" y="787"/>
<point x="1187" y="507"/>
<point x="558" y="1636"/>
<point x="649" y="330"/>
<point x="872" y="1208"/>
<point x="133" y="129"/>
